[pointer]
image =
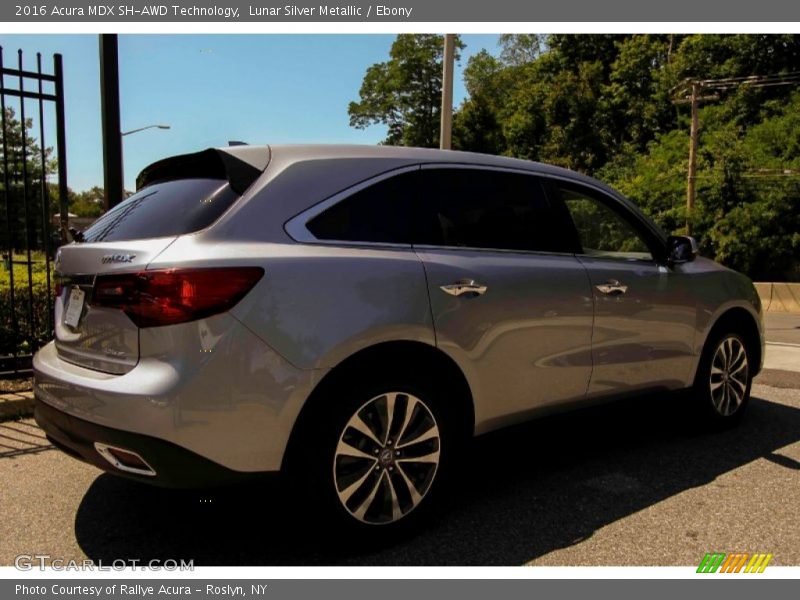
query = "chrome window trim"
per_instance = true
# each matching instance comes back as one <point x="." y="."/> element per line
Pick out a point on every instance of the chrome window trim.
<point x="479" y="167"/>
<point x="617" y="259"/>
<point x="297" y="227"/>
<point x="432" y="247"/>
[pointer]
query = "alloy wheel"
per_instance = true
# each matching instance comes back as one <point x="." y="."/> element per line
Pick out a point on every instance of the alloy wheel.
<point x="386" y="458"/>
<point x="729" y="376"/>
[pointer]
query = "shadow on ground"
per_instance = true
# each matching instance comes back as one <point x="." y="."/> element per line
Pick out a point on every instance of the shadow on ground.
<point x="528" y="491"/>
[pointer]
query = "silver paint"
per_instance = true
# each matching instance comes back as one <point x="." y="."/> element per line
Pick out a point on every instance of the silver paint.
<point x="537" y="335"/>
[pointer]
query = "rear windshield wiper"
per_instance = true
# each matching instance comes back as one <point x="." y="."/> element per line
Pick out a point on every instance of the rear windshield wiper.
<point x="77" y="236"/>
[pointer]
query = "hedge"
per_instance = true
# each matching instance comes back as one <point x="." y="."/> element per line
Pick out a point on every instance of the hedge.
<point x="22" y="294"/>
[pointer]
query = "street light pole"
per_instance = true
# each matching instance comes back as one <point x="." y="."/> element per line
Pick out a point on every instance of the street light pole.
<point x="122" y="135"/>
<point x="109" y="105"/>
<point x="448" y="62"/>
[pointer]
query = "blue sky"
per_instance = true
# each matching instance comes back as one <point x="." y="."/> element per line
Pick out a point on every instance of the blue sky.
<point x="214" y="88"/>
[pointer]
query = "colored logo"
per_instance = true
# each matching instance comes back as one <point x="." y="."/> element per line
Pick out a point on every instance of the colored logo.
<point x="734" y="563"/>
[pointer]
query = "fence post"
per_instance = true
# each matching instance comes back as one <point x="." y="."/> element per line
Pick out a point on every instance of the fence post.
<point x="61" y="147"/>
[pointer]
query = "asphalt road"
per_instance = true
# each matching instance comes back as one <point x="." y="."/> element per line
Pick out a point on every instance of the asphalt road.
<point x="635" y="483"/>
<point x="782" y="328"/>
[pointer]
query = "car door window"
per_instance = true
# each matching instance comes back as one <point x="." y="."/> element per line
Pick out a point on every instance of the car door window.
<point x="603" y="231"/>
<point x="379" y="213"/>
<point x="480" y="208"/>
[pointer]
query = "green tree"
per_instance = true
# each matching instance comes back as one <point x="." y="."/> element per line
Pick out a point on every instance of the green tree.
<point x="21" y="166"/>
<point x="637" y="97"/>
<point x="747" y="213"/>
<point x="89" y="203"/>
<point x="518" y="49"/>
<point x="476" y="124"/>
<point x="603" y="105"/>
<point x="404" y="93"/>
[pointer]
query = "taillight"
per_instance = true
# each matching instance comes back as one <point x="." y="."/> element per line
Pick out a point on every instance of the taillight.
<point x="171" y="296"/>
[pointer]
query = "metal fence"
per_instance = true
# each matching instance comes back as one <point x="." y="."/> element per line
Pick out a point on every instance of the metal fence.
<point x="33" y="183"/>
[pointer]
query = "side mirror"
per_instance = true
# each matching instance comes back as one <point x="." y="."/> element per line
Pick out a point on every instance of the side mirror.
<point x="681" y="249"/>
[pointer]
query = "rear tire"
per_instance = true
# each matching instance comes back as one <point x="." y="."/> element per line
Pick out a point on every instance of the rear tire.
<point x="723" y="381"/>
<point x="373" y="457"/>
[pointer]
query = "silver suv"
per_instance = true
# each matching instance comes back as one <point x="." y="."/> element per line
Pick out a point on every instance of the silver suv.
<point x="353" y="315"/>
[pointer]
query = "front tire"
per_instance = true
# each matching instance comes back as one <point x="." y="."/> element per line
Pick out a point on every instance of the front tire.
<point x="723" y="381"/>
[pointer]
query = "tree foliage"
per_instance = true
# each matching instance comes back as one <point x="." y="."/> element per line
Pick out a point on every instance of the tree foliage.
<point x="21" y="212"/>
<point x="404" y="93"/>
<point x="603" y="105"/>
<point x="89" y="203"/>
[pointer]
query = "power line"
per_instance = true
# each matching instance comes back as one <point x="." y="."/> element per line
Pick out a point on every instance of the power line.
<point x="689" y="92"/>
<point x="727" y="83"/>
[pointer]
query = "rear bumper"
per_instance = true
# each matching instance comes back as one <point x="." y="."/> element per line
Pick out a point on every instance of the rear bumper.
<point x="214" y="390"/>
<point x="174" y="467"/>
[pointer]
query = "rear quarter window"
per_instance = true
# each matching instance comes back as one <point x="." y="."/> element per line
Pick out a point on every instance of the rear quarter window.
<point x="379" y="213"/>
<point x="164" y="209"/>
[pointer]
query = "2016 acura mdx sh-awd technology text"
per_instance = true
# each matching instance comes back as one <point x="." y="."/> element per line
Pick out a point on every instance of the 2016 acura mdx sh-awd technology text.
<point x="353" y="315"/>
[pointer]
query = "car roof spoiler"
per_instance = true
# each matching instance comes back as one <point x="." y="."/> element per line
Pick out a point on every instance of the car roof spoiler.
<point x="240" y="165"/>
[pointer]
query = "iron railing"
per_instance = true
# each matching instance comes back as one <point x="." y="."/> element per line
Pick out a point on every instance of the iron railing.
<point x="29" y="239"/>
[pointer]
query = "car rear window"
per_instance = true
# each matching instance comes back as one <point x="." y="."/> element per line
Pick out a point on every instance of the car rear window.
<point x="164" y="209"/>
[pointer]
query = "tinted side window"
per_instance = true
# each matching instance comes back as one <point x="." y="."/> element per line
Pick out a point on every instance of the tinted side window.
<point x="477" y="208"/>
<point x="164" y="209"/>
<point x="602" y="230"/>
<point x="379" y="213"/>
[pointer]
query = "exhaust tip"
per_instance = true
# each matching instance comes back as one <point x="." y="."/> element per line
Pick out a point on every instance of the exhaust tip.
<point x="124" y="460"/>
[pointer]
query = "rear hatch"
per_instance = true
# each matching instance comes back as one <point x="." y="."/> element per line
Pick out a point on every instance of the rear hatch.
<point x="176" y="196"/>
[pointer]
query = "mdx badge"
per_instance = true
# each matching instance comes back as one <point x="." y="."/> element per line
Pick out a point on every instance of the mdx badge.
<point x="118" y="258"/>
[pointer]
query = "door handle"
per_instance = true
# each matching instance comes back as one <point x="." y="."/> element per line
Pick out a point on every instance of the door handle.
<point x="464" y="286"/>
<point x="612" y="287"/>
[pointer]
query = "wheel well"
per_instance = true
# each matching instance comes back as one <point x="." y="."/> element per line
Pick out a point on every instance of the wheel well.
<point x="743" y="323"/>
<point x="416" y="357"/>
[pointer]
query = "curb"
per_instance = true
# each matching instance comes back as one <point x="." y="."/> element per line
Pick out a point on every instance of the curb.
<point x="16" y="405"/>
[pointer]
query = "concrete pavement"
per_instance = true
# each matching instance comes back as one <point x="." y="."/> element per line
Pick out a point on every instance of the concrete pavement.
<point x="634" y="483"/>
<point x="782" y="352"/>
<point x="782" y="328"/>
<point x="14" y="405"/>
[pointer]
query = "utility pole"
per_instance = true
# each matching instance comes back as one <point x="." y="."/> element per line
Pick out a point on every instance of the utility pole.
<point x="109" y="105"/>
<point x="688" y="92"/>
<point x="448" y="63"/>
<point x="691" y="190"/>
<point x="693" y="88"/>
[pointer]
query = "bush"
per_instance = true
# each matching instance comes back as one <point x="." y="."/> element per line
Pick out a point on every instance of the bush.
<point x="29" y="338"/>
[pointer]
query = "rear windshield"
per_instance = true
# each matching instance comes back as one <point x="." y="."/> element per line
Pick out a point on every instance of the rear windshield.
<point x="163" y="210"/>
